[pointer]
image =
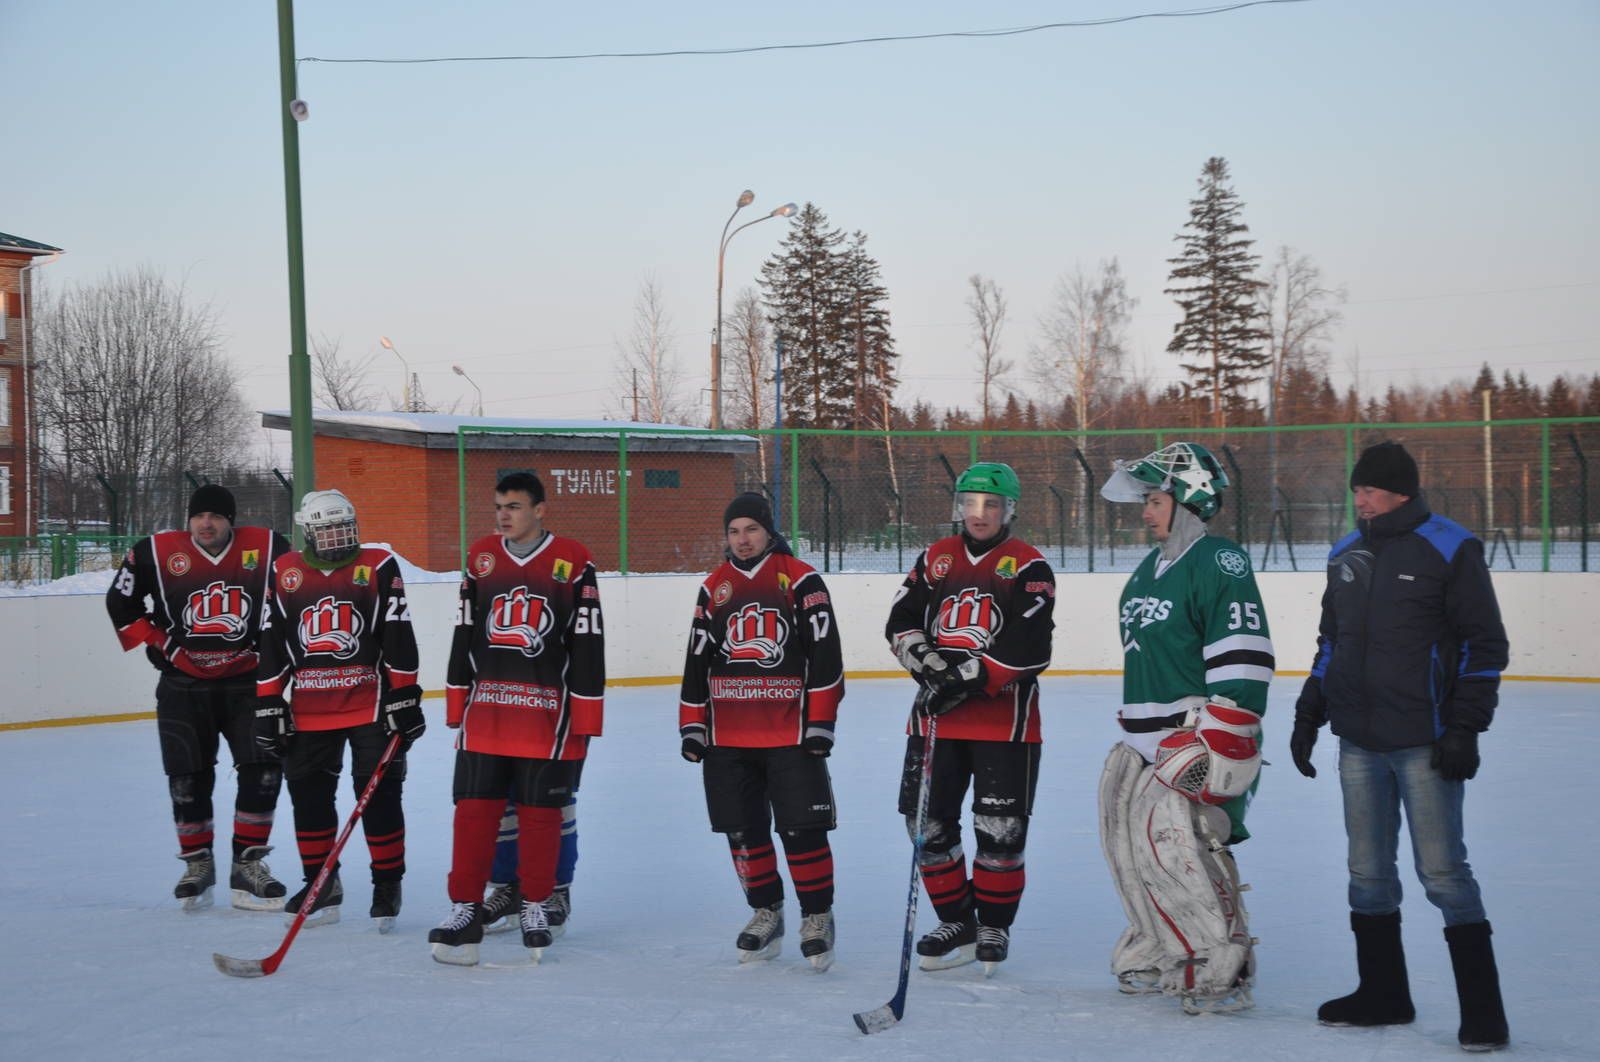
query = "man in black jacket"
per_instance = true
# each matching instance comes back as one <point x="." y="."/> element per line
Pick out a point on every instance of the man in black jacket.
<point x="1407" y="672"/>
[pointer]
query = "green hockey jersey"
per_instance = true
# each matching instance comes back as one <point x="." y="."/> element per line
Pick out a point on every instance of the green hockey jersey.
<point x="1196" y="630"/>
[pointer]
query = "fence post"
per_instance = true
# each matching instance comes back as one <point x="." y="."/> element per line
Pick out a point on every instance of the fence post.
<point x="622" y="502"/>
<point x="827" y="528"/>
<point x="1061" y="522"/>
<point x="1544" y="492"/>
<point x="794" y="487"/>
<point x="1238" y="518"/>
<point x="1583" y="500"/>
<point x="1088" y="497"/>
<point x="1349" y="470"/>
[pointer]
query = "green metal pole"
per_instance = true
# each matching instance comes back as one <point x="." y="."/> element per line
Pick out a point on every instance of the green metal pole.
<point x="794" y="490"/>
<point x="622" y="502"/>
<point x="461" y="494"/>
<point x="1544" y="491"/>
<point x="1349" y="470"/>
<point x="302" y="445"/>
<point x="972" y="448"/>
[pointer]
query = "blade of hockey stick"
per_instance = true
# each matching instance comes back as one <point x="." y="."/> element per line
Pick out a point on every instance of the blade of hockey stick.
<point x="889" y="1015"/>
<point x="262" y="967"/>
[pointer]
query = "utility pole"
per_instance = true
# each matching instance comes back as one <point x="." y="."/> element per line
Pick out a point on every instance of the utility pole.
<point x="1488" y="465"/>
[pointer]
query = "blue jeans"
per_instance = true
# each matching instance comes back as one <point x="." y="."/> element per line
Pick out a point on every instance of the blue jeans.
<point x="1376" y="785"/>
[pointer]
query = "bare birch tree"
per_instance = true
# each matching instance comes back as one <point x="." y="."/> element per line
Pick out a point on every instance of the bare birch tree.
<point x="1080" y="356"/>
<point x="747" y="366"/>
<point x="1300" y="315"/>
<point x="134" y="391"/>
<point x="987" y="303"/>
<point x="648" y="377"/>
<point x="342" y="383"/>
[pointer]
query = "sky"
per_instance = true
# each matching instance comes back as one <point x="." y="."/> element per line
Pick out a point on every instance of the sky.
<point x="1435" y="160"/>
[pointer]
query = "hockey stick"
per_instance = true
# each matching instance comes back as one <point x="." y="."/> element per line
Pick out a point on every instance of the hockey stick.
<point x="262" y="967"/>
<point x="889" y="1015"/>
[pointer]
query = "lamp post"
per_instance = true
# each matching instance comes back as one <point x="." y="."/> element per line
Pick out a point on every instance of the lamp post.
<point x="745" y="199"/>
<point x="459" y="371"/>
<point x="405" y="384"/>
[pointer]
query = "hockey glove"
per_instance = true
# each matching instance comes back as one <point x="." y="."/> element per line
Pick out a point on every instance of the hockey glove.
<point x="402" y="714"/>
<point x="818" y="741"/>
<point x="694" y="744"/>
<point x="1301" y="742"/>
<point x="274" y="726"/>
<point x="962" y="676"/>
<point x="1455" y="754"/>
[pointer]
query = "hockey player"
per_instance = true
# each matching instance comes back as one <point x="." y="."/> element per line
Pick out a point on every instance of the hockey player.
<point x="339" y="634"/>
<point x="972" y="623"/>
<point x="762" y="682"/>
<point x="1197" y="658"/>
<point x="201" y="629"/>
<point x="526" y="688"/>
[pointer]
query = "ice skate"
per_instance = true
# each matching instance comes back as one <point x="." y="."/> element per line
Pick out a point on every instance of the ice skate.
<point x="1229" y="1001"/>
<point x="557" y="909"/>
<point x="762" y="937"/>
<point x="816" y="939"/>
<point x="194" y="888"/>
<point x="951" y="944"/>
<point x="254" y="887"/>
<point x="536" y="935"/>
<point x="994" y="943"/>
<point x="501" y="906"/>
<point x="385" y="904"/>
<point x="455" y="940"/>
<point x="325" y="911"/>
<point x="1139" y="982"/>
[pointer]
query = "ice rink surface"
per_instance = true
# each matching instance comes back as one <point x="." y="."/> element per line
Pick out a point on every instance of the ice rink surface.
<point x="98" y="962"/>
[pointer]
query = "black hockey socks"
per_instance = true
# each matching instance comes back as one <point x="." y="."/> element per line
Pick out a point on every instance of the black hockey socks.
<point x="998" y="873"/>
<point x="944" y="871"/>
<point x="756" y="863"/>
<point x="384" y="823"/>
<point x="191" y="809"/>
<point x="476" y="823"/>
<point x="316" y="819"/>
<point x="254" y="806"/>
<point x="810" y="869"/>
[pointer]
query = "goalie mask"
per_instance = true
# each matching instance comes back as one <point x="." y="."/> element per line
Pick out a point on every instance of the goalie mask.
<point x="987" y="477"/>
<point x="1187" y="471"/>
<point x="329" y="521"/>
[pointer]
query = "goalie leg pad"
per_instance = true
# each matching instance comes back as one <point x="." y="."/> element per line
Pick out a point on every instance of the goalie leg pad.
<point x="1136" y="957"/>
<point x="1194" y="887"/>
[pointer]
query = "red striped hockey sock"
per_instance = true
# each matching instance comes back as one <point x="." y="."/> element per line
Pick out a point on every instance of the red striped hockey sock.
<point x="946" y="882"/>
<point x="810" y="868"/>
<point x="757" y="867"/>
<point x="997" y="883"/>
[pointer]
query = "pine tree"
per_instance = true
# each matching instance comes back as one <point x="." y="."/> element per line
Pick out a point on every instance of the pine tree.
<point x="807" y="294"/>
<point x="1220" y="338"/>
<point x="864" y="325"/>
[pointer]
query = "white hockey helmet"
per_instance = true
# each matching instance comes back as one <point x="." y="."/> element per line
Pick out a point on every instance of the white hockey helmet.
<point x="329" y="521"/>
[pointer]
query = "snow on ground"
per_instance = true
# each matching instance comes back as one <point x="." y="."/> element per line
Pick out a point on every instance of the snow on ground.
<point x="98" y="962"/>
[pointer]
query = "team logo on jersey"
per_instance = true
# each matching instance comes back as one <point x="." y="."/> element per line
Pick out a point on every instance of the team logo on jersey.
<point x="251" y="559"/>
<point x="179" y="563"/>
<point x="720" y="595"/>
<point x="756" y="635"/>
<point x="521" y="621"/>
<point x="331" y="627"/>
<point x="482" y="564"/>
<point x="218" y="611"/>
<point x="1146" y="610"/>
<point x="970" y="620"/>
<point x="363" y="575"/>
<point x="1007" y="568"/>
<point x="290" y="579"/>
<point x="1233" y="562"/>
<point x="941" y="565"/>
<point x="561" y="571"/>
<point x="783" y="582"/>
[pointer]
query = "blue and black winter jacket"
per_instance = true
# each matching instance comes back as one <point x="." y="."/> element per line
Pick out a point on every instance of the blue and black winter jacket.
<point x="1410" y="640"/>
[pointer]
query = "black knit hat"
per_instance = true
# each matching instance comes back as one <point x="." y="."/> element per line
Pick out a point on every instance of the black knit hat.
<point x="750" y="506"/>
<point x="1388" y="467"/>
<point x="213" y="498"/>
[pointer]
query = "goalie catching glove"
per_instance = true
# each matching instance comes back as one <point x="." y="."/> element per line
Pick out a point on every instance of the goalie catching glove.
<point x="1217" y="758"/>
<point x="402" y="714"/>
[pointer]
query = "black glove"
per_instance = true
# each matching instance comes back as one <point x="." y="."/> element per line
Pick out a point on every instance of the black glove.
<point x="818" y="742"/>
<point x="1455" y="754"/>
<point x="402" y="714"/>
<point x="1301" y="742"/>
<point x="274" y="726"/>
<point x="961" y="677"/>
<point x="694" y="745"/>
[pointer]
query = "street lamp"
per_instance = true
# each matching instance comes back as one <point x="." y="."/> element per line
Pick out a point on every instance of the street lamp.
<point x="745" y="199"/>
<point x="459" y="371"/>
<point x="405" y="386"/>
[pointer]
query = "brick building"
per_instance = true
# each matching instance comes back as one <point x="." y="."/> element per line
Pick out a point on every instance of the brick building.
<point x="401" y="472"/>
<point x="19" y="415"/>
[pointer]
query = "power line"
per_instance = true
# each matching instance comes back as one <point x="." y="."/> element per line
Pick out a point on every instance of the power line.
<point x="812" y="45"/>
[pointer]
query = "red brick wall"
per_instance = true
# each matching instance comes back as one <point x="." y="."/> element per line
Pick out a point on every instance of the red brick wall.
<point x="13" y="451"/>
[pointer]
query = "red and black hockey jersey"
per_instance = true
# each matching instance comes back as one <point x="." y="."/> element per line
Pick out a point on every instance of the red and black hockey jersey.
<point x="341" y="637"/>
<point x="204" y="619"/>
<point x="527" y="670"/>
<point x="764" y="664"/>
<point x="998" y="606"/>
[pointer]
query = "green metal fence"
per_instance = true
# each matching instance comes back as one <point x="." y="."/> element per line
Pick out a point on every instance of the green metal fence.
<point x="42" y="558"/>
<point x="869" y="501"/>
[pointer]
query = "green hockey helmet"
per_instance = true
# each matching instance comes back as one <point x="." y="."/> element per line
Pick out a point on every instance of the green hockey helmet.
<point x="1187" y="471"/>
<point x="989" y="477"/>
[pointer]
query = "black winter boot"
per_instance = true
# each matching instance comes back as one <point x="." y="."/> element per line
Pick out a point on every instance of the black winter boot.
<point x="1483" y="1013"/>
<point x="1384" y="995"/>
